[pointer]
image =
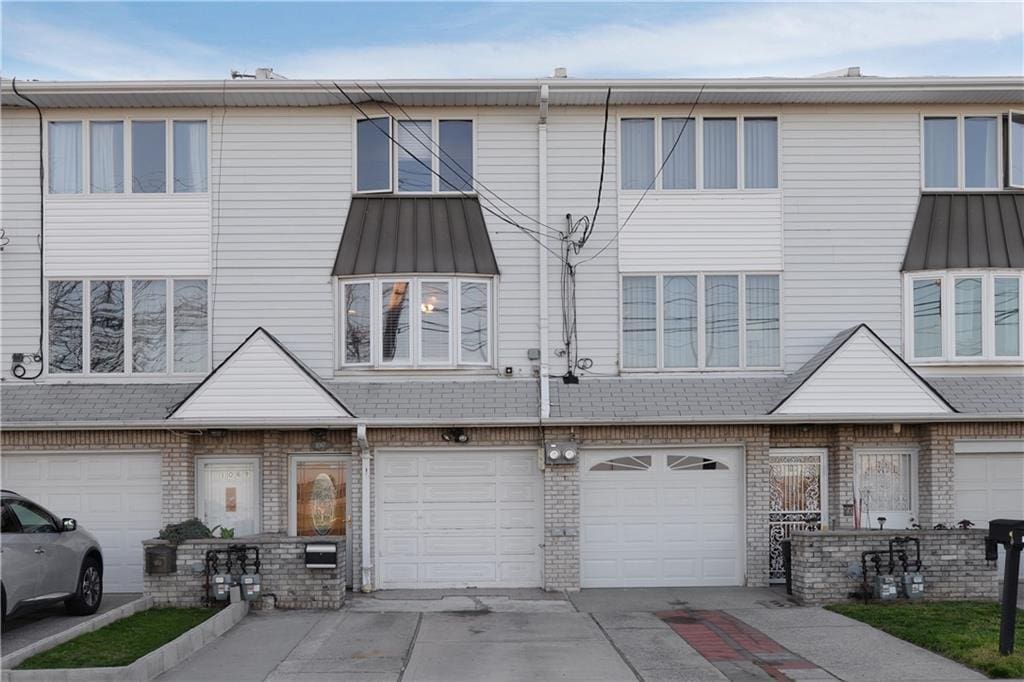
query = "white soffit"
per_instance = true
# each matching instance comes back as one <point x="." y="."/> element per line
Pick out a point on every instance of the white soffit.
<point x="864" y="377"/>
<point x="260" y="381"/>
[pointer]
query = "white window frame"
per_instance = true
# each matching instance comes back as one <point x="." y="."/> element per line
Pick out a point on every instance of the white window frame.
<point x="702" y="365"/>
<point x="961" y="151"/>
<point x="293" y="461"/>
<point x="128" y="293"/>
<point x="434" y="146"/>
<point x="127" y="120"/>
<point x="1007" y="164"/>
<point x="947" y="279"/>
<point x="698" y="122"/>
<point x="200" y="489"/>
<point x="914" y="477"/>
<point x="455" y="360"/>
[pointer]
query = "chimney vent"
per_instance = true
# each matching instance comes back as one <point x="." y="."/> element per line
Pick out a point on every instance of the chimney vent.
<point x="560" y="72"/>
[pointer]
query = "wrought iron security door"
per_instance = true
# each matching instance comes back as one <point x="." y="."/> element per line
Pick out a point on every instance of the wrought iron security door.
<point x="796" y="500"/>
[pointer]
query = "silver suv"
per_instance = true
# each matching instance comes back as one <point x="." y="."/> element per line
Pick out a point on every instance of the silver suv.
<point x="46" y="560"/>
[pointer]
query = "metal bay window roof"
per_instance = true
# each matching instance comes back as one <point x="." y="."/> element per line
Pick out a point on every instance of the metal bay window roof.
<point x="398" y="234"/>
<point x="967" y="230"/>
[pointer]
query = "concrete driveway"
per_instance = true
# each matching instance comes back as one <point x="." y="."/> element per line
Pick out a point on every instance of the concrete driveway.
<point x="594" y="635"/>
<point x="33" y="626"/>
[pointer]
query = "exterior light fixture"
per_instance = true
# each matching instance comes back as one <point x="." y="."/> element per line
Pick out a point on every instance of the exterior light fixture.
<point x="218" y="433"/>
<point x="455" y="435"/>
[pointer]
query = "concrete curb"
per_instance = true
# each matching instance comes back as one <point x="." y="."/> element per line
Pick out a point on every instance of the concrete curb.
<point x="148" y="667"/>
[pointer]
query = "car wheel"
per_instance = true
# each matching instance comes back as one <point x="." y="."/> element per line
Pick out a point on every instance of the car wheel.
<point x="90" y="589"/>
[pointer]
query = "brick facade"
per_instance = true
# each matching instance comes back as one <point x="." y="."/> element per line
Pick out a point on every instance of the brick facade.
<point x="934" y="444"/>
<point x="954" y="565"/>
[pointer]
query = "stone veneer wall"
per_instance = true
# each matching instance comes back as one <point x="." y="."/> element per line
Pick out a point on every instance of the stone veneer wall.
<point x="283" y="573"/>
<point x="954" y="565"/>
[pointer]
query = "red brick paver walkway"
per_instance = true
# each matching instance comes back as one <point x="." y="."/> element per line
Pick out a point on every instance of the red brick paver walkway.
<point x="728" y="642"/>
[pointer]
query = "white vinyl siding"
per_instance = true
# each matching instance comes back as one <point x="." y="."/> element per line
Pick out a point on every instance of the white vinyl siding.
<point x="852" y="179"/>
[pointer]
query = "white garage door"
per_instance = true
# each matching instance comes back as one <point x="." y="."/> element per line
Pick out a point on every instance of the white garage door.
<point x="116" y="497"/>
<point x="661" y="518"/>
<point x="989" y="483"/>
<point x="462" y="518"/>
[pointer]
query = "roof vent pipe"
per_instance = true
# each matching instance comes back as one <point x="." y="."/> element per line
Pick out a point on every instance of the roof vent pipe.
<point x="560" y="72"/>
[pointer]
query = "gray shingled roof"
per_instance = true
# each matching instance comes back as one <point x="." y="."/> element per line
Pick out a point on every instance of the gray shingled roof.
<point x="492" y="400"/>
<point x="982" y="394"/>
<point x="29" y="402"/>
<point x="967" y="230"/>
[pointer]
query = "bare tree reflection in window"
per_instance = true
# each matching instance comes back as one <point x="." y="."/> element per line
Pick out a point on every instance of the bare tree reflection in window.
<point x="106" y="326"/>
<point x="395" y="322"/>
<point x="149" y="325"/>
<point x="474" y="319"/>
<point x="190" y="326"/>
<point x="65" y="328"/>
<point x="357" y="323"/>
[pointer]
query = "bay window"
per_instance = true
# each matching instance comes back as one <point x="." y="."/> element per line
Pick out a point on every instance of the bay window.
<point x="440" y="322"/>
<point x="964" y="316"/>
<point x="144" y="154"/>
<point x="699" y="153"/>
<point x="430" y="155"/>
<point x="116" y="326"/>
<point x="700" y="321"/>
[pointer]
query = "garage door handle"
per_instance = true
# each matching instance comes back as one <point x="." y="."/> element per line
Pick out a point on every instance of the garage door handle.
<point x="39" y="550"/>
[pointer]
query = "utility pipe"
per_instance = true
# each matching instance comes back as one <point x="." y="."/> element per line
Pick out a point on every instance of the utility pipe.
<point x="542" y="249"/>
<point x="364" y="499"/>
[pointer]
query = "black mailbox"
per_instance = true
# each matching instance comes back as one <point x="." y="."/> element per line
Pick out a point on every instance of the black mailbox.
<point x="161" y="559"/>
<point x="1006" y="531"/>
<point x="322" y="555"/>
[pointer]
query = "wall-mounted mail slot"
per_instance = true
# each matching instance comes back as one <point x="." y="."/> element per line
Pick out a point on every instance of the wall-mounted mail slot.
<point x="322" y="555"/>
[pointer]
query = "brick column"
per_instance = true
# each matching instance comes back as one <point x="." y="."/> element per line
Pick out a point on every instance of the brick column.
<point x="935" y="476"/>
<point x="756" y="446"/>
<point x="562" y="527"/>
<point x="840" y="477"/>
<point x="177" y="480"/>
<point x="274" y="467"/>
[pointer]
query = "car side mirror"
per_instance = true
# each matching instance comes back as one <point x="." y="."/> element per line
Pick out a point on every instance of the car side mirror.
<point x="70" y="524"/>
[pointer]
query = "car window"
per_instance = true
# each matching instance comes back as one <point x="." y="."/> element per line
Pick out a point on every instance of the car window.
<point x="33" y="519"/>
<point x="10" y="524"/>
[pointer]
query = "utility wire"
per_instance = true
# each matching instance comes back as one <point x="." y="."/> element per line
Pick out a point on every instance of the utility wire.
<point x="682" y="131"/>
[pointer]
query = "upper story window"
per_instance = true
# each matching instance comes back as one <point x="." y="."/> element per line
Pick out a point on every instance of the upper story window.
<point x="429" y="155"/>
<point x="967" y="151"/>
<point x="151" y="151"/>
<point x="145" y="327"/>
<point x="677" y="322"/>
<point x="415" y="322"/>
<point x="963" y="316"/>
<point x="699" y="153"/>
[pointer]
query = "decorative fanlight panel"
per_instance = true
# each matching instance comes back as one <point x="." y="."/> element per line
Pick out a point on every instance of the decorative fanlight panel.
<point x="627" y="463"/>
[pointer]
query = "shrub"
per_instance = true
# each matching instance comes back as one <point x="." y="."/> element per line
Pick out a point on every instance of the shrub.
<point x="193" y="529"/>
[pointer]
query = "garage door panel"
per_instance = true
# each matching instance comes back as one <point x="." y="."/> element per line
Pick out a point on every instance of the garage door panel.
<point x="661" y="527"/>
<point x="990" y="486"/>
<point x="115" y="496"/>
<point x="400" y="492"/>
<point x="477" y="516"/>
<point x="1009" y="501"/>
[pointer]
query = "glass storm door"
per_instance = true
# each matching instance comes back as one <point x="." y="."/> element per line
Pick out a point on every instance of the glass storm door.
<point x="796" y="500"/>
<point x="229" y="495"/>
<point x="884" y="488"/>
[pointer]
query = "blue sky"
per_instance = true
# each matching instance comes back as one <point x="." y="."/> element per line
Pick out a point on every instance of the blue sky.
<point x="165" y="40"/>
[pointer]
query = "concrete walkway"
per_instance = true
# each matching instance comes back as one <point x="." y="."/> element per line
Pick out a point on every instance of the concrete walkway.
<point x="594" y="635"/>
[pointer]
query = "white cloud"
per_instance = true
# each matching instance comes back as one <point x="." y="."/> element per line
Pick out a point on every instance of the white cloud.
<point x="751" y="40"/>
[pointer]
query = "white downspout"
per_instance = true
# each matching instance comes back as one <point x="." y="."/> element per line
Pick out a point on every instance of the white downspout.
<point x="542" y="210"/>
<point x="364" y="498"/>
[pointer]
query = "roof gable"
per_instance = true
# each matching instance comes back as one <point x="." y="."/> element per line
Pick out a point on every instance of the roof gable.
<point x="857" y="373"/>
<point x="260" y="381"/>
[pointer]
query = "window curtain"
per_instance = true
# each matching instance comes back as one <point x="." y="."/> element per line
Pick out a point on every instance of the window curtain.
<point x="927" y="318"/>
<point x="762" y="320"/>
<point x="681" y="168"/>
<point x="680" y="326"/>
<point x="65" y="157"/>
<point x="639" y="322"/>
<point x="637" y="153"/>
<point x="720" y="153"/>
<point x="1007" y="313"/>
<point x="968" y="316"/>
<point x="414" y="166"/>
<point x="106" y="156"/>
<point x="435" y="322"/>
<point x="721" y="311"/>
<point x="981" y="165"/>
<point x="940" y="152"/>
<point x="760" y="152"/>
<point x="190" y="156"/>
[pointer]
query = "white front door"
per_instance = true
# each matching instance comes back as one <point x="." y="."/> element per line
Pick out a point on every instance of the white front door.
<point x="661" y="518"/>
<point x="459" y="518"/>
<point x="885" y="487"/>
<point x="989" y="483"/>
<point x="114" y="496"/>
<point x="228" y="494"/>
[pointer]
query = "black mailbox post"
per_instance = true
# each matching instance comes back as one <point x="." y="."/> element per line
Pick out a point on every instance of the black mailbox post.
<point x="1010" y="534"/>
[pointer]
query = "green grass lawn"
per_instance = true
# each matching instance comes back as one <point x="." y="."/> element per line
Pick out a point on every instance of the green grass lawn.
<point x="121" y="642"/>
<point x="967" y="632"/>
